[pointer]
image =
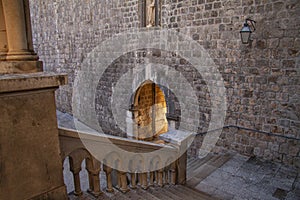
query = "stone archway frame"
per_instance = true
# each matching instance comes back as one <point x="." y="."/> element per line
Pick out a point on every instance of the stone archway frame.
<point x="136" y="95"/>
<point x="160" y="75"/>
<point x="93" y="67"/>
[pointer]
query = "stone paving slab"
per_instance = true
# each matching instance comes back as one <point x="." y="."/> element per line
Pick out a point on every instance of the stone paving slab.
<point x="244" y="177"/>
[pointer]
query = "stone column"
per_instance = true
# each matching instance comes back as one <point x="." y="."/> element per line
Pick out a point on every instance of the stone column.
<point x="3" y="37"/>
<point x="20" y="54"/>
<point x="108" y="170"/>
<point x="14" y="14"/>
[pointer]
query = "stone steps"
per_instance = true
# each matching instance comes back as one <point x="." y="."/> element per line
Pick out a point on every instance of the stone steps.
<point x="146" y="194"/>
<point x="160" y="193"/>
<point x="199" y="169"/>
<point x="168" y="192"/>
<point x="186" y="193"/>
<point x="193" y="166"/>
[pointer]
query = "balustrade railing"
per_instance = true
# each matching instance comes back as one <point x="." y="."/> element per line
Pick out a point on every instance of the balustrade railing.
<point x="73" y="148"/>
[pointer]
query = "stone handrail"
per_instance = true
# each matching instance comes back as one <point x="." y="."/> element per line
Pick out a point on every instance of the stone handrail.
<point x="72" y="146"/>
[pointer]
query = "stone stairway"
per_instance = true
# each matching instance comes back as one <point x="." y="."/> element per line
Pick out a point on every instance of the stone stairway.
<point x="169" y="192"/>
<point x="221" y="177"/>
<point x="197" y="170"/>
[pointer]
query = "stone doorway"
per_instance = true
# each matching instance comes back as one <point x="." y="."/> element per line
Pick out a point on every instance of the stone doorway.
<point x="149" y="110"/>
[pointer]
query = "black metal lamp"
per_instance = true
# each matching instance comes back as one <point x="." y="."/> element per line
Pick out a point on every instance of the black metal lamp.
<point x="246" y="30"/>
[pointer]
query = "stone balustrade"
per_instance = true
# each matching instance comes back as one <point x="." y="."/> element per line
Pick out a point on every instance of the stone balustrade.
<point x="141" y="171"/>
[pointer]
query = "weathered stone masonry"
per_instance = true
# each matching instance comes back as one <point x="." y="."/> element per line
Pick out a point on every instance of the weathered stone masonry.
<point x="262" y="79"/>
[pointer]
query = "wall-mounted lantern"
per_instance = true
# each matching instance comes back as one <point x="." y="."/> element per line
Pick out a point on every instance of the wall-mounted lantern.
<point x="247" y="30"/>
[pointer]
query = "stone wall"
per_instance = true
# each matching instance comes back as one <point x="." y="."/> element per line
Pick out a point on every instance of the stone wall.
<point x="252" y="143"/>
<point x="261" y="79"/>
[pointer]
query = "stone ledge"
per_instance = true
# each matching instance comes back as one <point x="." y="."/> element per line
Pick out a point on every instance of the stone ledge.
<point x="177" y="137"/>
<point x="32" y="81"/>
<point x="20" y="67"/>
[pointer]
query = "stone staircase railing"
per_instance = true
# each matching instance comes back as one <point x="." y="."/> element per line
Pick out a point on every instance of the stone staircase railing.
<point x="72" y="146"/>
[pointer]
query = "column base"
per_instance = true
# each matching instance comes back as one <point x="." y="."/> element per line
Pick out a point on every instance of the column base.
<point x="21" y="56"/>
<point x="3" y="55"/>
<point x="20" y="67"/>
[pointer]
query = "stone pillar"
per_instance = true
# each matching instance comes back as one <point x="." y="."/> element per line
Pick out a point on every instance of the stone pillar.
<point x="3" y="37"/>
<point x="123" y="182"/>
<point x="159" y="180"/>
<point x="30" y="161"/>
<point x="14" y="14"/>
<point x="20" y="57"/>
<point x="144" y="183"/>
<point x="108" y="170"/>
<point x="133" y="181"/>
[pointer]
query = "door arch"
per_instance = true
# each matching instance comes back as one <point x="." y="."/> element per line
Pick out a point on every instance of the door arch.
<point x="149" y="112"/>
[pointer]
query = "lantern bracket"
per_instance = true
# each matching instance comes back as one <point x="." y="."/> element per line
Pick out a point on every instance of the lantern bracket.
<point x="252" y="22"/>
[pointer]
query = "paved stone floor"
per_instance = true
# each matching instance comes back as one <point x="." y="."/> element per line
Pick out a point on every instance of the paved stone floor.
<point x="243" y="177"/>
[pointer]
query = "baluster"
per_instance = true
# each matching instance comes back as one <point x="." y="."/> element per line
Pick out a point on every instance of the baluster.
<point x="96" y="181"/>
<point x="123" y="182"/>
<point x="94" y="171"/>
<point x="151" y="179"/>
<point x="165" y="176"/>
<point x="133" y="180"/>
<point x="173" y="173"/>
<point x="119" y="183"/>
<point x="160" y="177"/>
<point x="109" y="185"/>
<point x="144" y="183"/>
<point x="139" y="178"/>
<point x="90" y="176"/>
<point x="75" y="172"/>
